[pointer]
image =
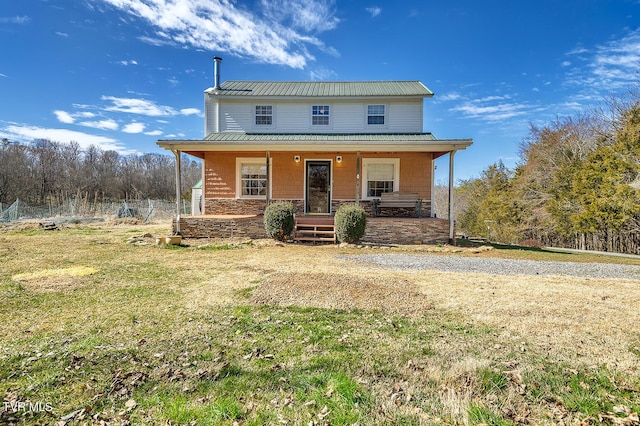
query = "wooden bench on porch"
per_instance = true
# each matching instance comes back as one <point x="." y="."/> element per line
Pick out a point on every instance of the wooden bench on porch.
<point x="407" y="200"/>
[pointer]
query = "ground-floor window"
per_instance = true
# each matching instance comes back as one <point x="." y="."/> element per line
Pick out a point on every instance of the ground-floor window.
<point x="251" y="177"/>
<point x="380" y="175"/>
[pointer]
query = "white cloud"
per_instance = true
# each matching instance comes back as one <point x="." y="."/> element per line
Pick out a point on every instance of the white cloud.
<point x="153" y="133"/>
<point x="321" y="73"/>
<point x="280" y="36"/>
<point x="453" y="96"/>
<point x="374" y="11"/>
<point x="491" y="113"/>
<point x="131" y="62"/>
<point x="102" y="124"/>
<point x="61" y="34"/>
<point x="64" y="117"/>
<point x="138" y="106"/>
<point x="15" y="20"/>
<point x="307" y="15"/>
<point x="145" y="107"/>
<point x="3" y="75"/>
<point x="26" y="133"/>
<point x="610" y="66"/>
<point x="190" y="111"/>
<point x="134" y="127"/>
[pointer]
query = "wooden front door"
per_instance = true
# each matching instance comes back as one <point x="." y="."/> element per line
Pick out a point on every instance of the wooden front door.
<point x="318" y="187"/>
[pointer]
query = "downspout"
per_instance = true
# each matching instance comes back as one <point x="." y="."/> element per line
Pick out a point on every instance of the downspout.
<point x="178" y="188"/>
<point x="451" y="218"/>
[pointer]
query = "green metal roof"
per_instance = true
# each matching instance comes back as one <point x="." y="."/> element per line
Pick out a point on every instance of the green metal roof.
<point x="319" y="137"/>
<point x="320" y="89"/>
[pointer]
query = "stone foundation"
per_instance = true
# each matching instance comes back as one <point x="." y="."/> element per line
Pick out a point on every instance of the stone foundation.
<point x="390" y="230"/>
<point x="231" y="227"/>
<point x="380" y="230"/>
<point x="234" y="206"/>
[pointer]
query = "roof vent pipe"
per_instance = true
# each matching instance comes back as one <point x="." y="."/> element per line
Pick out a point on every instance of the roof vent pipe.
<point x="216" y="72"/>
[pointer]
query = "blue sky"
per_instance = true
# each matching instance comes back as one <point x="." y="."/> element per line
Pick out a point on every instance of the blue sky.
<point x="121" y="74"/>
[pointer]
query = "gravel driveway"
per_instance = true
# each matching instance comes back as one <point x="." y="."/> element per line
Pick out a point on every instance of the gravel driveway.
<point x="496" y="266"/>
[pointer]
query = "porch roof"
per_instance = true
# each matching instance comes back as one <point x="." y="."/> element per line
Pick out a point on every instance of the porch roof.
<point x="330" y="142"/>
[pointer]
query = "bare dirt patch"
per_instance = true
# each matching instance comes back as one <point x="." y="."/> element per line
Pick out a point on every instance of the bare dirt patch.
<point x="336" y="291"/>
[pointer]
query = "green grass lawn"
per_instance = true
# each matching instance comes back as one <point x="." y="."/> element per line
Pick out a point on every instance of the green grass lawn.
<point x="97" y="330"/>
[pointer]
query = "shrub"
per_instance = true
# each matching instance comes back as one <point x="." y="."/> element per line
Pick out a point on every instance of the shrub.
<point x="278" y="220"/>
<point x="350" y="223"/>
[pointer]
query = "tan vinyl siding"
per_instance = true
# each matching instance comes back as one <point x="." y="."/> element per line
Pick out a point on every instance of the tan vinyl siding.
<point x="344" y="177"/>
<point x="219" y="175"/>
<point x="415" y="174"/>
<point x="287" y="177"/>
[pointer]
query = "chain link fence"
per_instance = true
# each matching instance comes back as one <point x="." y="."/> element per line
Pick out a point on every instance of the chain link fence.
<point x="145" y="210"/>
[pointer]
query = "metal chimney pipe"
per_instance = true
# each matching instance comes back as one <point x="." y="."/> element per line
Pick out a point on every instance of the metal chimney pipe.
<point x="216" y="71"/>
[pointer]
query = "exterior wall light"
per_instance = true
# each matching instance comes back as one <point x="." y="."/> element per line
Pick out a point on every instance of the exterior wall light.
<point x="339" y="158"/>
<point x="296" y="158"/>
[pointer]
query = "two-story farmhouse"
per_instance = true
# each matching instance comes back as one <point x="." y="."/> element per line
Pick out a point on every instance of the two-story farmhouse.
<point x="318" y="145"/>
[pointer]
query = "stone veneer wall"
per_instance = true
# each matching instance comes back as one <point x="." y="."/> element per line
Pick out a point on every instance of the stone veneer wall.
<point x="387" y="230"/>
<point x="381" y="230"/>
<point x="201" y="227"/>
<point x="233" y="206"/>
<point x="221" y="206"/>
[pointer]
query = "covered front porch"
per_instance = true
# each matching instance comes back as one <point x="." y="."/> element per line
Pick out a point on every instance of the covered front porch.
<point x="244" y="173"/>
<point x="379" y="230"/>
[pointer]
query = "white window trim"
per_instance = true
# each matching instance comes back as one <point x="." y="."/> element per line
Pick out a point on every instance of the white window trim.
<point x="263" y="126"/>
<point x="321" y="126"/>
<point x="250" y="160"/>
<point x="396" y="173"/>
<point x="385" y="115"/>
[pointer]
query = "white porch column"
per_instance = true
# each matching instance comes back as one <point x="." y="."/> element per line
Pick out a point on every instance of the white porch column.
<point x="268" y="192"/>
<point x="358" y="177"/>
<point x="451" y="184"/>
<point x="178" y="188"/>
<point x="433" y="187"/>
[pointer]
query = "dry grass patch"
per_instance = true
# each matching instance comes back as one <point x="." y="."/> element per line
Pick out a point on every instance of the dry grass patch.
<point x="340" y="291"/>
<point x="58" y="279"/>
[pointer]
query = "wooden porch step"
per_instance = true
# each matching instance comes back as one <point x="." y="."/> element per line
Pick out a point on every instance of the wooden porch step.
<point x="314" y="229"/>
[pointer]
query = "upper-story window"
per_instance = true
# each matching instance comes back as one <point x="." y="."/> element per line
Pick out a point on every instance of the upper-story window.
<point x="320" y="115"/>
<point x="264" y="115"/>
<point x="375" y="114"/>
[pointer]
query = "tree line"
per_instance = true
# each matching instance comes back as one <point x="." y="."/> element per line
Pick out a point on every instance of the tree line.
<point x="577" y="185"/>
<point x="46" y="172"/>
